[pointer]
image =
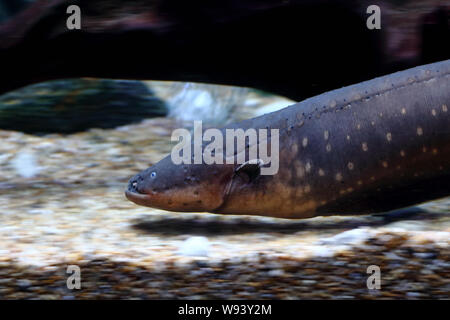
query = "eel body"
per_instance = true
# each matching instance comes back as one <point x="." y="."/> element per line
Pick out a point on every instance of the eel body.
<point x="372" y="147"/>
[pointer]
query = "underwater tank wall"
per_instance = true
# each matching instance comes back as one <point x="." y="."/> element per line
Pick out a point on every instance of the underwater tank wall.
<point x="86" y="114"/>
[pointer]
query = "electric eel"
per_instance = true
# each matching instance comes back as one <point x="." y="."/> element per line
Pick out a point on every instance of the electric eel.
<point x="367" y="148"/>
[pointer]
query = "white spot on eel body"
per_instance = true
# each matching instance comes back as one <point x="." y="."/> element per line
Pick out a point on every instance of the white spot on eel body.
<point x="326" y="134"/>
<point x="300" y="171"/>
<point x="419" y="131"/>
<point x="444" y="108"/>
<point x="350" y="166"/>
<point x="305" y="142"/>
<point x="308" y="167"/>
<point x="389" y="136"/>
<point x="328" y="147"/>
<point x="364" y="146"/>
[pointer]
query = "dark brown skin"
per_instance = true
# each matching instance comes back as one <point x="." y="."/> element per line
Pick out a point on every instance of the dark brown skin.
<point x="371" y="147"/>
<point x="186" y="188"/>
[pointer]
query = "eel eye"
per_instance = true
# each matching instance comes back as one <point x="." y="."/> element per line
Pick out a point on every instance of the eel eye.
<point x="153" y="174"/>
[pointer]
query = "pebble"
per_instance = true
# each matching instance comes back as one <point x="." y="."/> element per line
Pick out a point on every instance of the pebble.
<point x="354" y="236"/>
<point x="275" y="273"/>
<point x="195" y="246"/>
<point x="414" y="294"/>
<point x="24" y="283"/>
<point x="425" y="255"/>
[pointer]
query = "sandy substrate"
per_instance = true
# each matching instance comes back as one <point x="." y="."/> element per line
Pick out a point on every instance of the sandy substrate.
<point x="73" y="212"/>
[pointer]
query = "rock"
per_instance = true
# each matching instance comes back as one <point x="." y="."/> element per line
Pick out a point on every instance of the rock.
<point x="194" y="246"/>
<point x="75" y="105"/>
<point x="25" y="165"/>
<point x="354" y="236"/>
<point x="211" y="104"/>
<point x="24" y="284"/>
<point x="275" y="273"/>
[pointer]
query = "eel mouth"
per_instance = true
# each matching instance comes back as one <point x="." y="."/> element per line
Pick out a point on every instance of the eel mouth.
<point x="134" y="193"/>
<point x="138" y="198"/>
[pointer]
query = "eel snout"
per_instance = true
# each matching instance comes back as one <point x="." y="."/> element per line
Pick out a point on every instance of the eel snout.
<point x="134" y="184"/>
<point x="135" y="191"/>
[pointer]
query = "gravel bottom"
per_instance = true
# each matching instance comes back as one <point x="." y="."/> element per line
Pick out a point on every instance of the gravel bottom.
<point x="409" y="271"/>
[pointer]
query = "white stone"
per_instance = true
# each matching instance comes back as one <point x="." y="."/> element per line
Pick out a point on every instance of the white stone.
<point x="194" y="247"/>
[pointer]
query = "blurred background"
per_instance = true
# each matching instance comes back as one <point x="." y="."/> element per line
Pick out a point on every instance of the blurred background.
<point x="82" y="112"/>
